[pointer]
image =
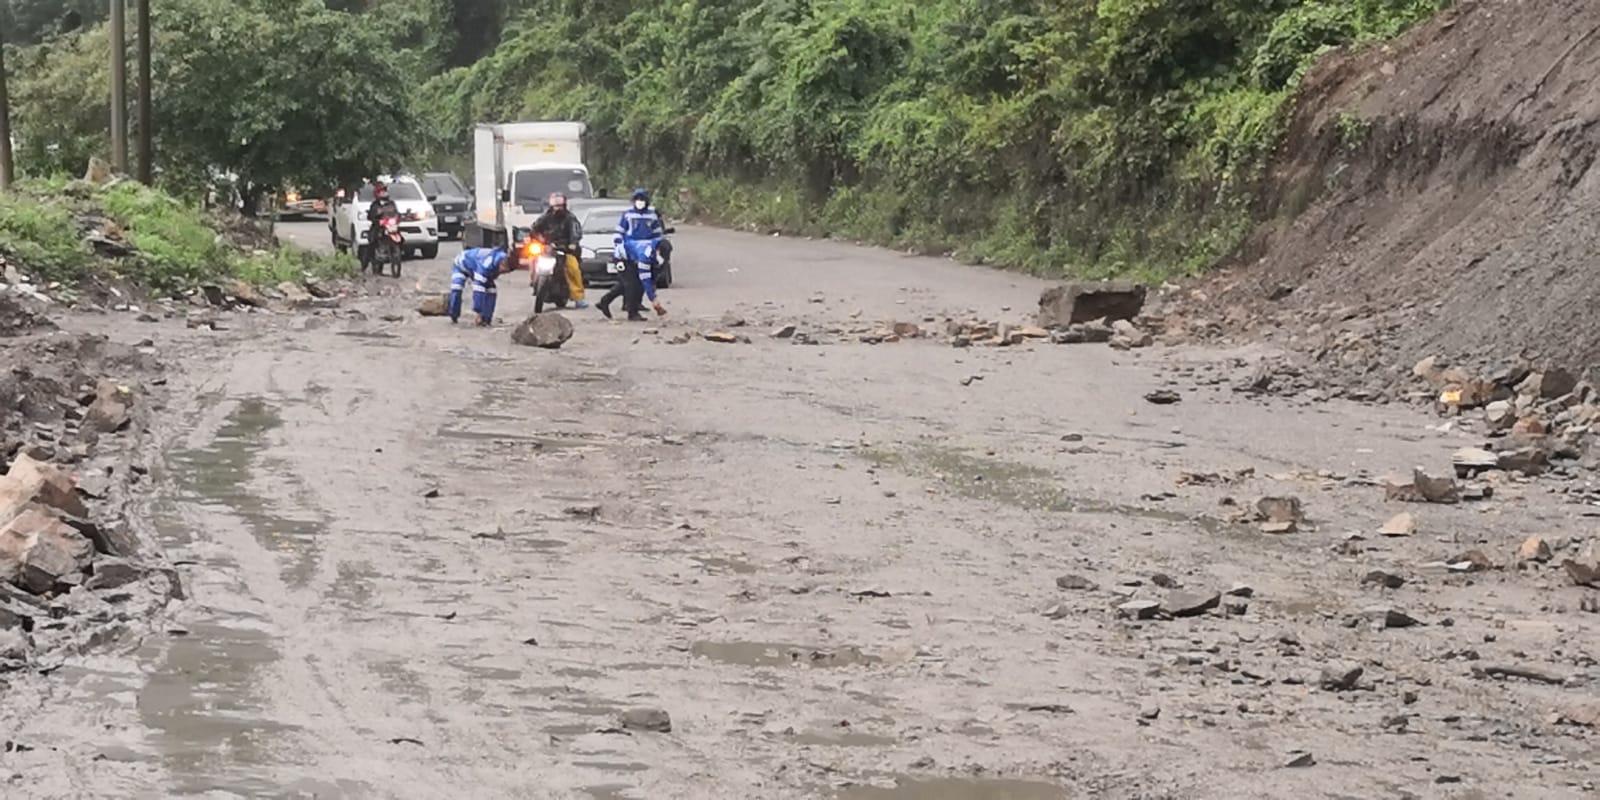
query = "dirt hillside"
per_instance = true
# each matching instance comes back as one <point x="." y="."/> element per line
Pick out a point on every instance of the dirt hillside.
<point x="1444" y="189"/>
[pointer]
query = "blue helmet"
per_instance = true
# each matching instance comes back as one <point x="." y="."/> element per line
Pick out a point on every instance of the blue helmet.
<point x="641" y="194"/>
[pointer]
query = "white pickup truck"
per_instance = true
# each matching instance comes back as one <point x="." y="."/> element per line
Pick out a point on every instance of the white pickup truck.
<point x="515" y="168"/>
<point x="419" y="225"/>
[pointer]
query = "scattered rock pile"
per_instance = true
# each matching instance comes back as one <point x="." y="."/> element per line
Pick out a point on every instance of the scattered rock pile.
<point x="72" y="571"/>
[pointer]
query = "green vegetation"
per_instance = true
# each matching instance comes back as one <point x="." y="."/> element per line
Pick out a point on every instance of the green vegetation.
<point x="173" y="246"/>
<point x="280" y="93"/>
<point x="1109" y="137"/>
<point x="1095" y="137"/>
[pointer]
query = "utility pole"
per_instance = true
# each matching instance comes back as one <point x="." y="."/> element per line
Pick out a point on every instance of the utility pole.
<point x="119" y="87"/>
<point x="6" y="166"/>
<point x="147" y="122"/>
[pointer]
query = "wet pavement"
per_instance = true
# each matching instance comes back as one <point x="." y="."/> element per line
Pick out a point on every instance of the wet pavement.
<point x="423" y="562"/>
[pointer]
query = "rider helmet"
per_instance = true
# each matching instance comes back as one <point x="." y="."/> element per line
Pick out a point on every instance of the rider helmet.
<point x="641" y="198"/>
<point x="558" y="200"/>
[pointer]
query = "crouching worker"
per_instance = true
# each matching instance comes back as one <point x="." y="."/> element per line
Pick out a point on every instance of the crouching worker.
<point x="481" y="266"/>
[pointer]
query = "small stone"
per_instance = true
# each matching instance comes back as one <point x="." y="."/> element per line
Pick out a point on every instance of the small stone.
<point x="1057" y="611"/>
<point x="1140" y="609"/>
<point x="1534" y="548"/>
<point x="1341" y="677"/>
<point x="1471" y="561"/>
<point x="1190" y="604"/>
<point x="720" y="337"/>
<point x="653" y="720"/>
<point x="1163" y="580"/>
<point x="1582" y="574"/>
<point x="1500" y="415"/>
<point x="1399" y="525"/>
<point x="1384" y="617"/>
<point x="1387" y="580"/>
<point x="1241" y="590"/>
<point x="1149" y="712"/>
<point x="1301" y="760"/>
<point x="1163" y="397"/>
<point x="1076" y="583"/>
<point x="732" y="320"/>
<point x="783" y="331"/>
<point x="1280" y="509"/>
<point x="1285" y="526"/>
<point x="434" y="306"/>
<point x="1471" y="461"/>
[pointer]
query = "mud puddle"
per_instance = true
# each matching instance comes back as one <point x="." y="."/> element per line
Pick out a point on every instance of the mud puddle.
<point x="956" y="789"/>
<point x="206" y="702"/>
<point x="1025" y="487"/>
<point x="771" y="654"/>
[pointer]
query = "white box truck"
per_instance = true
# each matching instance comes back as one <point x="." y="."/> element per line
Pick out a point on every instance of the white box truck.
<point x="515" y="168"/>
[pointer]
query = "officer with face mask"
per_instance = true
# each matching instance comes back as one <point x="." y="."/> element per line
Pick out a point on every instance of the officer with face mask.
<point x="639" y="236"/>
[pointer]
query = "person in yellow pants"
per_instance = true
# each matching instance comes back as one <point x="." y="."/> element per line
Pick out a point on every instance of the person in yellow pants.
<point x="560" y="228"/>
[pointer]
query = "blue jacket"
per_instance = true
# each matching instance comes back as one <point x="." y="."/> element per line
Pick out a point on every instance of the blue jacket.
<point x="639" y="225"/>
<point x="480" y="263"/>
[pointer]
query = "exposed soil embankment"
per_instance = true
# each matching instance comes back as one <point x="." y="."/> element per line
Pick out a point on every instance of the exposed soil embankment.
<point x="1440" y="193"/>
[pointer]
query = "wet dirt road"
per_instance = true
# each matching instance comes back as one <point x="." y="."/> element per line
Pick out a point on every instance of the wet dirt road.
<point x="424" y="562"/>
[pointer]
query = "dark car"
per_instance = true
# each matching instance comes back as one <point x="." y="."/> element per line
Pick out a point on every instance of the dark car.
<point x="599" y="220"/>
<point x="451" y="201"/>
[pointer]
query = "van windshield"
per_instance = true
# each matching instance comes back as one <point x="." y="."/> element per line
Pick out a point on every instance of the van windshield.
<point x="531" y="188"/>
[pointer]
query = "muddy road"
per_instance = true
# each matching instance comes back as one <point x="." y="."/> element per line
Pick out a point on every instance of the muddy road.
<point x="424" y="562"/>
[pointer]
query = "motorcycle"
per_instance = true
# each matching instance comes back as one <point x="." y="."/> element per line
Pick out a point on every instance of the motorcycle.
<point x="388" y="249"/>
<point x="549" y="274"/>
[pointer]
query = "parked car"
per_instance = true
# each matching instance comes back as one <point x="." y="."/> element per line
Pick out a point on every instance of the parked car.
<point x="293" y="204"/>
<point x="451" y="199"/>
<point x="419" y="225"/>
<point x="599" y="221"/>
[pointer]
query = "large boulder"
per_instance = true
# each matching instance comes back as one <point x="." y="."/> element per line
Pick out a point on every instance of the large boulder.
<point x="31" y="481"/>
<point x="37" y="550"/>
<point x="1072" y="303"/>
<point x="549" y="331"/>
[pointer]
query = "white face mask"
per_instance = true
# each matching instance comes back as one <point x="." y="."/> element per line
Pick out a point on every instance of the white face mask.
<point x="639" y="204"/>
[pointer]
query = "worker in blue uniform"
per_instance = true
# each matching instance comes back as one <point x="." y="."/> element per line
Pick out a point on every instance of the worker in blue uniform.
<point x="639" y="235"/>
<point x="480" y="266"/>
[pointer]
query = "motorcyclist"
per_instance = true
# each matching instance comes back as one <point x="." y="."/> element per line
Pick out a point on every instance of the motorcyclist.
<point x="482" y="266"/>
<point x="559" y="227"/>
<point x="381" y="205"/>
<point x="639" y="234"/>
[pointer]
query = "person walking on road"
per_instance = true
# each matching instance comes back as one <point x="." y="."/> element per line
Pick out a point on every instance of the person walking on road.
<point x="560" y="228"/>
<point x="639" y="235"/>
<point x="481" y="266"/>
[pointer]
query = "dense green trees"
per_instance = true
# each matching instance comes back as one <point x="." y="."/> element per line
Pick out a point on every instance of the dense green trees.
<point x="277" y="92"/>
<point x="1101" y="136"/>
<point x="1098" y="136"/>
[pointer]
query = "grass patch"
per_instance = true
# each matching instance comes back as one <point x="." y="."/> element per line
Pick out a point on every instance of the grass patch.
<point x="173" y="245"/>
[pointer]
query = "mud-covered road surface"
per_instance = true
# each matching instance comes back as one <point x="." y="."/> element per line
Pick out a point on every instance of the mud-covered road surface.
<point x="424" y="562"/>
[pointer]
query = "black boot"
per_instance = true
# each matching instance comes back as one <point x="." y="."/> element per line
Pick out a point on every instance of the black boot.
<point x="605" y="307"/>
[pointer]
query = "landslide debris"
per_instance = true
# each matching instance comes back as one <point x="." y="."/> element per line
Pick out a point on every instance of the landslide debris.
<point x="1431" y="199"/>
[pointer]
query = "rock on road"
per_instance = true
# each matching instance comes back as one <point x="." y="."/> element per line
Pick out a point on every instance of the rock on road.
<point x="425" y="562"/>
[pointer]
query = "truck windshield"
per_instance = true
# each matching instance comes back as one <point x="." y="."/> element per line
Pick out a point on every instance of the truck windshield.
<point x="531" y="188"/>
